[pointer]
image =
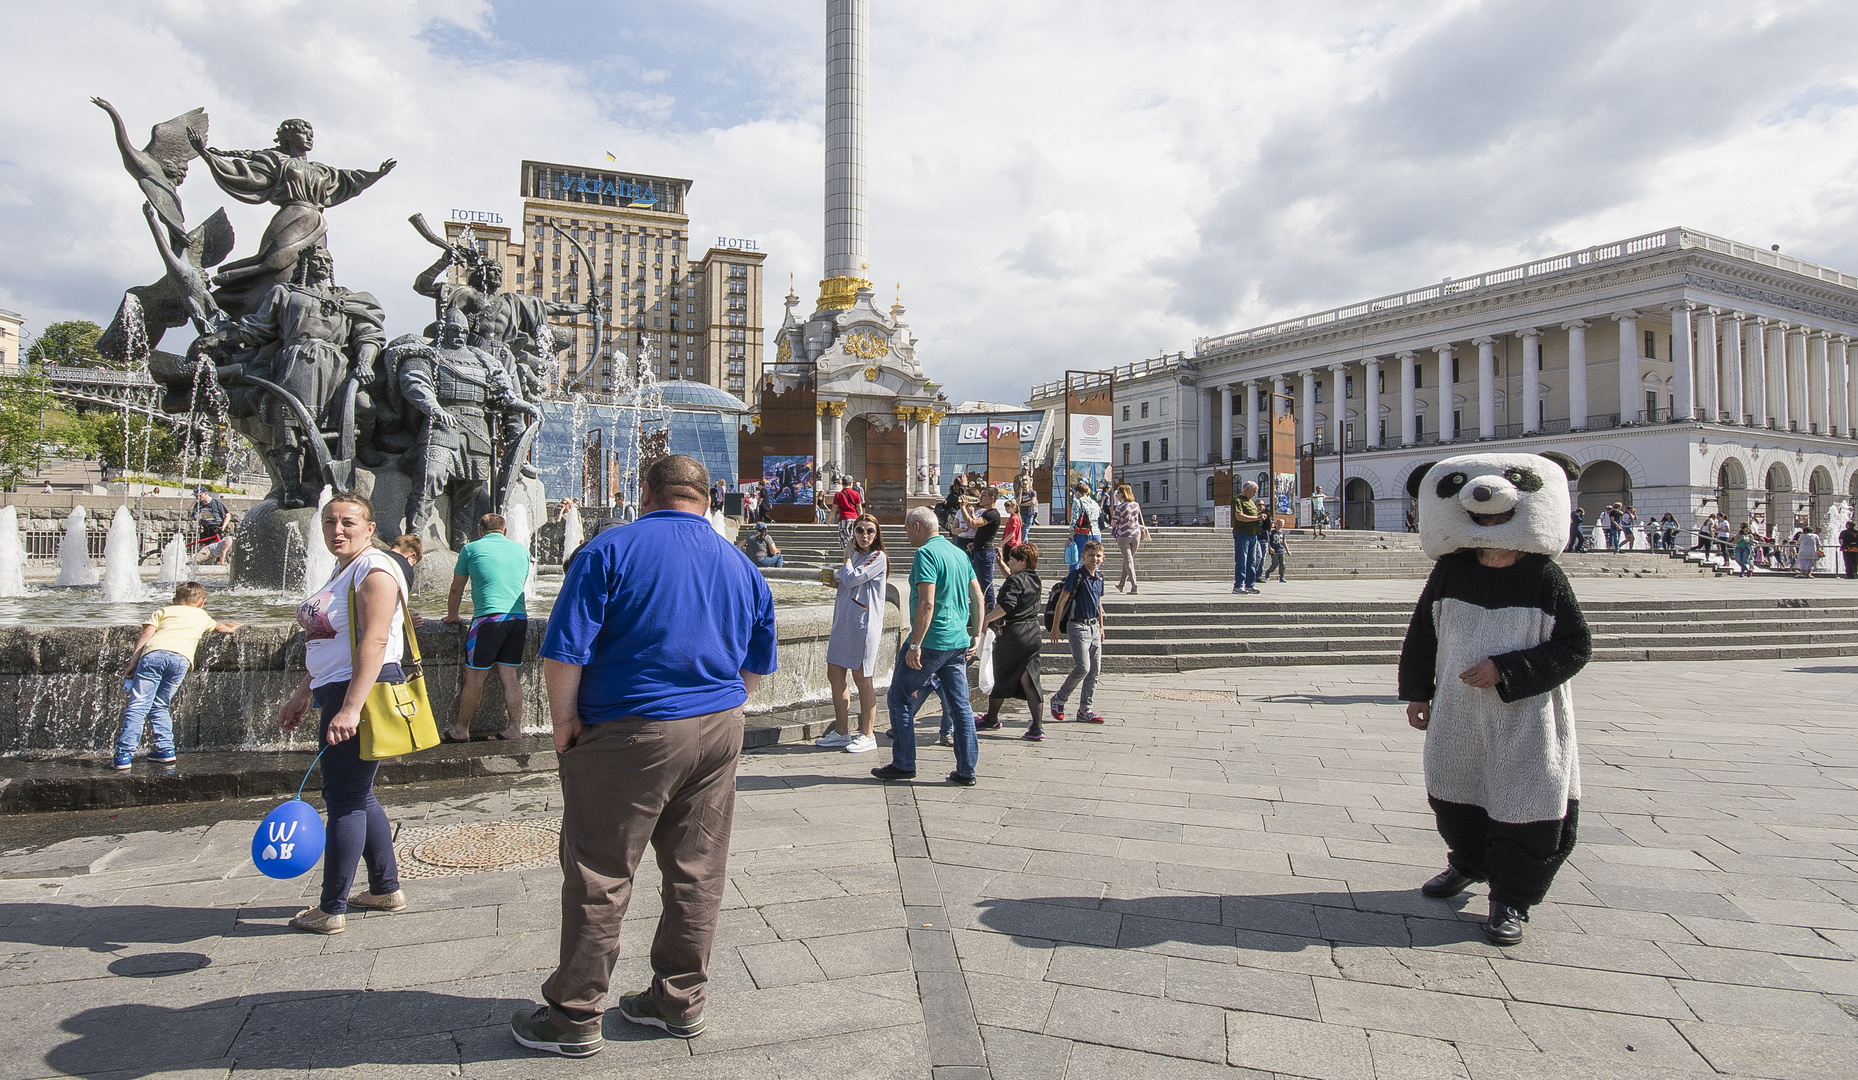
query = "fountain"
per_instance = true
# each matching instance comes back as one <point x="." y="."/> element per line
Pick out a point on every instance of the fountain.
<point x="318" y="560"/>
<point x="516" y="527"/>
<point x="173" y="561"/>
<point x="12" y="554"/>
<point x="122" y="555"/>
<point x="572" y="531"/>
<point x="74" y="553"/>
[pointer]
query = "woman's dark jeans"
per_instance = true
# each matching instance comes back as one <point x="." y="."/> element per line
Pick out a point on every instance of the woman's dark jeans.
<point x="358" y="827"/>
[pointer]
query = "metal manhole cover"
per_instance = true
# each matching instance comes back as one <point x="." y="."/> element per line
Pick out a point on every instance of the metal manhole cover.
<point x="447" y="850"/>
<point x="1226" y="696"/>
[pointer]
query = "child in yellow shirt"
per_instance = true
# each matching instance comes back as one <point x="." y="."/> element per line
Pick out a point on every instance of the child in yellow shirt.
<point x="161" y="658"/>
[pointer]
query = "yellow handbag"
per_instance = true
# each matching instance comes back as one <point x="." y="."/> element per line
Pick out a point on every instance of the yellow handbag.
<point x="397" y="717"/>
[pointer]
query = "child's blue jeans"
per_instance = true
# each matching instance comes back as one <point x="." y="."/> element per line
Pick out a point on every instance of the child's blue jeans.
<point x="157" y="676"/>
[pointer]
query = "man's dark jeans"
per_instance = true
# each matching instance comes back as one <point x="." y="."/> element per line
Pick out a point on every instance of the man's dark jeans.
<point x="950" y="666"/>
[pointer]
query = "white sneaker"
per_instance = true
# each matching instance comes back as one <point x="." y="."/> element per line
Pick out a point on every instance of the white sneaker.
<point x="832" y="739"/>
<point x="860" y="744"/>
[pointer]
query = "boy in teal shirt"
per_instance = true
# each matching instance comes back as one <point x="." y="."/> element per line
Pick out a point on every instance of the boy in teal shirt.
<point x="497" y="569"/>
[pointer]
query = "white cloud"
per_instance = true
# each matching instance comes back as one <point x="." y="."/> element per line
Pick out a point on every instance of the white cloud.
<point x="1055" y="184"/>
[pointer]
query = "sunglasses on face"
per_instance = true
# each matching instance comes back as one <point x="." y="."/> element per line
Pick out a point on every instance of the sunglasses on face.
<point x="865" y="532"/>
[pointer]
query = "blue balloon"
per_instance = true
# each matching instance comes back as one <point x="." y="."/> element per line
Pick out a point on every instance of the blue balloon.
<point x="289" y="841"/>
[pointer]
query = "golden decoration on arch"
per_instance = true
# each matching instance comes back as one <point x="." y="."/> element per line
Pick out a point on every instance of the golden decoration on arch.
<point x="866" y="345"/>
<point x="786" y="351"/>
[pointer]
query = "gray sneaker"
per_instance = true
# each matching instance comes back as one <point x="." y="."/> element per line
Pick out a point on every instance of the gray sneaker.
<point x="641" y="1009"/>
<point x="533" y="1028"/>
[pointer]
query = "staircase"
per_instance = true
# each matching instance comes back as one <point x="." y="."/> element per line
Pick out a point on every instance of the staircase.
<point x="1163" y="635"/>
<point x="1190" y="553"/>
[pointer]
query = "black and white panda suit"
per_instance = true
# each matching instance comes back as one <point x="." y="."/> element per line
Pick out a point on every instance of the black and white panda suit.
<point x="1502" y="770"/>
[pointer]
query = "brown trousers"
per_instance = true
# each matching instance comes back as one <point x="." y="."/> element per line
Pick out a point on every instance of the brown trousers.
<point x="625" y="783"/>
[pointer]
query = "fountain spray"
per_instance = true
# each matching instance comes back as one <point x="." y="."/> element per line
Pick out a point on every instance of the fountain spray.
<point x="122" y="551"/>
<point x="74" y="553"/>
<point x="12" y="554"/>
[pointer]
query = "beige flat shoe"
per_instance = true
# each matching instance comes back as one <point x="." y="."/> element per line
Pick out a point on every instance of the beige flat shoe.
<point x="318" y="921"/>
<point x="391" y="902"/>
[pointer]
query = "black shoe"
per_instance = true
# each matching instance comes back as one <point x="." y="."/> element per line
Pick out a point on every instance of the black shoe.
<point x="987" y="725"/>
<point x="1450" y="882"/>
<point x="891" y="772"/>
<point x="960" y="780"/>
<point x="1505" y="925"/>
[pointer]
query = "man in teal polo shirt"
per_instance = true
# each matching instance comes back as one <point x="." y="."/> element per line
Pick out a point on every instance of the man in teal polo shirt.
<point x="497" y="568"/>
<point x="945" y="628"/>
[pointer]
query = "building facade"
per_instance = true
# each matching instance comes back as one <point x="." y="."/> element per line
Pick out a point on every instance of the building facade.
<point x="728" y="281"/>
<point x="1155" y="436"/>
<point x="1687" y="373"/>
<point x="12" y="345"/>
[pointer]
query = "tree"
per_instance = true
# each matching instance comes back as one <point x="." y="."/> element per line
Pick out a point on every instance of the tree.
<point x="134" y="442"/>
<point x="23" y="398"/>
<point x="72" y="344"/>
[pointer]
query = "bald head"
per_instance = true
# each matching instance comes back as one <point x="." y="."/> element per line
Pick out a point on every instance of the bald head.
<point x="678" y="482"/>
<point x="920" y="524"/>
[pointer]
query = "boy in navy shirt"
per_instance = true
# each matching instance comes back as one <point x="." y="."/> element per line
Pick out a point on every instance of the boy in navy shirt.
<point x="1082" y="595"/>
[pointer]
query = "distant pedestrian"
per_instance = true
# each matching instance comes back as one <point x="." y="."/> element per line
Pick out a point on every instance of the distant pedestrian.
<point x="1013" y="525"/>
<point x="1628" y="527"/>
<point x="857" y="635"/>
<point x="1319" y="512"/>
<point x="1126" y="526"/>
<point x="497" y="569"/>
<point x="1807" y="546"/>
<point x="1028" y="500"/>
<point x="761" y="548"/>
<point x="1745" y="549"/>
<point x="945" y="630"/>
<point x="157" y="665"/>
<point x="1083" y="513"/>
<point x="848" y="503"/>
<point x="1018" y="635"/>
<point x="1848" y="547"/>
<point x="1412" y="520"/>
<point x="1577" y="531"/>
<point x="1277" y="541"/>
<point x="981" y="519"/>
<point x="1248" y="520"/>
<point x="355" y="634"/>
<point x="1079" y="610"/>
<point x="47" y="489"/>
<point x="406" y="551"/>
<point x="660" y="632"/>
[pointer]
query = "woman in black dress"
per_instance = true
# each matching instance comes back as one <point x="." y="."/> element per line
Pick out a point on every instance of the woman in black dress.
<point x="1018" y="609"/>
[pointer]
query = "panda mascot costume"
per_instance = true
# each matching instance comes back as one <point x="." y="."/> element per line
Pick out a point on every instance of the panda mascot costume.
<point x="1494" y="640"/>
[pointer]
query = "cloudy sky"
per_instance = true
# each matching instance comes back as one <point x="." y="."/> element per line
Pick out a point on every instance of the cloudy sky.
<point x="1054" y="184"/>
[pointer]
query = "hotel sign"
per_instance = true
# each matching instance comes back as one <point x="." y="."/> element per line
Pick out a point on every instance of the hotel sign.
<point x="594" y="185"/>
<point x="737" y="243"/>
<point x="477" y="217"/>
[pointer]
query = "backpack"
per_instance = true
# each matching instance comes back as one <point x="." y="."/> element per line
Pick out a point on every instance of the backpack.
<point x="1051" y="605"/>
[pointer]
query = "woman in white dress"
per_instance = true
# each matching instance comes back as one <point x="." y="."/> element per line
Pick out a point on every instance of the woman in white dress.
<point x="857" y="633"/>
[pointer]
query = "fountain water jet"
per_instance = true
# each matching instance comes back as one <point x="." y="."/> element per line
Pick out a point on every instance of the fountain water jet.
<point x="122" y="552"/>
<point x="12" y="554"/>
<point x="516" y="526"/>
<point x="318" y="560"/>
<point x="74" y="553"/>
<point x="173" y="561"/>
<point x="572" y="531"/>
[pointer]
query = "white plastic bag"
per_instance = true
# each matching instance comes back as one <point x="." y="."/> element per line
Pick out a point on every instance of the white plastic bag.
<point x="986" y="662"/>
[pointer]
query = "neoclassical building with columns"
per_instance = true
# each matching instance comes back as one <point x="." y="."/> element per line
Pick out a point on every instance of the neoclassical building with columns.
<point x="1686" y="372"/>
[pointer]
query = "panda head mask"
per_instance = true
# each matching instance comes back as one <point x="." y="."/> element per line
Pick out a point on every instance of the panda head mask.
<point x="1516" y="502"/>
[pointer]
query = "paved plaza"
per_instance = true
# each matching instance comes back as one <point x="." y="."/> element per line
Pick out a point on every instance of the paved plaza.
<point x="1221" y="882"/>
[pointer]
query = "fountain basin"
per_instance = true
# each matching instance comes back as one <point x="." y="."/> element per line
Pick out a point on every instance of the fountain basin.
<point x="61" y="689"/>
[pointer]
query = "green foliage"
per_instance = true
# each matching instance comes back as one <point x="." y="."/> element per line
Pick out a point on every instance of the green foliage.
<point x="73" y="344"/>
<point x="138" y="442"/>
<point x="23" y="398"/>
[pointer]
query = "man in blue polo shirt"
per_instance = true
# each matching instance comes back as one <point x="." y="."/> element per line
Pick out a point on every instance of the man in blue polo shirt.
<point x="661" y="631"/>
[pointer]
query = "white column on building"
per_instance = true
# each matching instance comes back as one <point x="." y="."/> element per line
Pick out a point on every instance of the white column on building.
<point x="922" y="457"/>
<point x="1775" y="350"/>
<point x="1371" y="401"/>
<point x="1839" y="360"/>
<point x="1631" y="400"/>
<point x="1408" y="436"/>
<point x="838" y="435"/>
<point x="1338" y="419"/>
<point x="1306" y="405"/>
<point x="1682" y="369"/>
<point x="1842" y="350"/>
<point x="1254" y="421"/>
<point x="1224" y="445"/>
<point x="935" y="457"/>
<point x="1577" y="374"/>
<point x="1709" y="402"/>
<point x="1799" y="406"/>
<point x="1755" y="371"/>
<point x="1208" y="438"/>
<point x="1448" y="429"/>
<point x="1532" y="379"/>
<point x="1732" y="385"/>
<point x="1818" y="382"/>
<point x="1486" y="387"/>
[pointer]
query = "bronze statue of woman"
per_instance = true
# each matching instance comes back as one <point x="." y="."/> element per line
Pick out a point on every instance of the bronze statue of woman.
<point x="301" y="189"/>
